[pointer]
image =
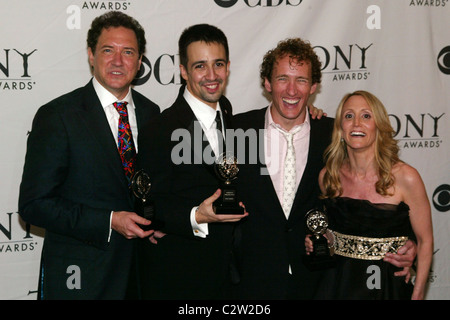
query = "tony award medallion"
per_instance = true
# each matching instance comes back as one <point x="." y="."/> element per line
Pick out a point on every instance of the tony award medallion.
<point x="226" y="168"/>
<point x="141" y="185"/>
<point x="320" y="258"/>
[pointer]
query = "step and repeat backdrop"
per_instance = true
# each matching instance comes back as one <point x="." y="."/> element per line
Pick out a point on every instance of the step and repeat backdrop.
<point x="399" y="50"/>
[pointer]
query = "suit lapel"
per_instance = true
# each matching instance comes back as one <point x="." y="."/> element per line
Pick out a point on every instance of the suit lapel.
<point x="227" y="113"/>
<point x="303" y="190"/>
<point x="143" y="113"/>
<point x="139" y="110"/>
<point x="267" y="187"/>
<point x="314" y="160"/>
<point x="98" y="127"/>
<point x="198" y="141"/>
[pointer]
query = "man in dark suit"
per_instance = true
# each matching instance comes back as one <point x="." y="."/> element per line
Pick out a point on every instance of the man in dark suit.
<point x="178" y="151"/>
<point x="79" y="162"/>
<point x="282" y="186"/>
<point x="271" y="239"/>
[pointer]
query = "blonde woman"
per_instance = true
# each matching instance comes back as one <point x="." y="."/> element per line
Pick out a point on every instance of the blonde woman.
<point x="375" y="202"/>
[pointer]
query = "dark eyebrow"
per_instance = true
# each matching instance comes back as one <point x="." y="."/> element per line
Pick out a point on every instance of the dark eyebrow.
<point x="204" y="61"/>
<point x="111" y="47"/>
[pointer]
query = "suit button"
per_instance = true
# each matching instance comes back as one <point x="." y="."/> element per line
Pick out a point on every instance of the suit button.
<point x="288" y="229"/>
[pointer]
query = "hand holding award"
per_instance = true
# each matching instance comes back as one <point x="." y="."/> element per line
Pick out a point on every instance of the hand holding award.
<point x="141" y="185"/>
<point x="317" y="223"/>
<point x="227" y="169"/>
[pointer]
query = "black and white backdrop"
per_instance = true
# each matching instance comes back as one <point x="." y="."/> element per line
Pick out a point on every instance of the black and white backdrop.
<point x="399" y="50"/>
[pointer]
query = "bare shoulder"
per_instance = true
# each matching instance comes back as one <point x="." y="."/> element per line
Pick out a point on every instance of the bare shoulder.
<point x="406" y="176"/>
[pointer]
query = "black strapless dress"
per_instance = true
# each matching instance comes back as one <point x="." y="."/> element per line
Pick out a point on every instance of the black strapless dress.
<point x="364" y="279"/>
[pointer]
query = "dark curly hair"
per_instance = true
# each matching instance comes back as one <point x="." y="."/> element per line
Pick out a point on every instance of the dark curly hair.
<point x="296" y="49"/>
<point x="115" y="19"/>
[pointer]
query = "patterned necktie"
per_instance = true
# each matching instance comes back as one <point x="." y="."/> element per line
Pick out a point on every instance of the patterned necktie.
<point x="220" y="137"/>
<point x="126" y="147"/>
<point x="289" y="173"/>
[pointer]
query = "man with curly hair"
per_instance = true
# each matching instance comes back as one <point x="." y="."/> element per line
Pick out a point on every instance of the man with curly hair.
<point x="283" y="186"/>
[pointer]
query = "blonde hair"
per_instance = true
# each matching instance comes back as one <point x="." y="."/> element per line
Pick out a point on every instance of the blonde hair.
<point x="386" y="148"/>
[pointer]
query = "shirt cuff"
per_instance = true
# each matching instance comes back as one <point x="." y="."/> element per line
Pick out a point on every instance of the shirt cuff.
<point x="110" y="229"/>
<point x="199" y="229"/>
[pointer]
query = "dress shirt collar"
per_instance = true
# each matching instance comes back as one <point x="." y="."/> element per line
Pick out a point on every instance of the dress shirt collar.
<point x="270" y="123"/>
<point x="204" y="113"/>
<point x="107" y="98"/>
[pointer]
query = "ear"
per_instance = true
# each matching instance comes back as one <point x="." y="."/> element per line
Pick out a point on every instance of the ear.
<point x="313" y="88"/>
<point x="140" y="62"/>
<point x="267" y="85"/>
<point x="183" y="72"/>
<point x="91" y="57"/>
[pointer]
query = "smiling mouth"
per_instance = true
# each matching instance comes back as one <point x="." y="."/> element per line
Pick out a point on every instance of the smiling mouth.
<point x="357" y="134"/>
<point x="212" y="86"/>
<point x="291" y="101"/>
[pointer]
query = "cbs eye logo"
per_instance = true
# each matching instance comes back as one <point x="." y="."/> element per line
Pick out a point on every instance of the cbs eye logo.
<point x="441" y="198"/>
<point x="144" y="72"/>
<point x="226" y="3"/>
<point x="443" y="60"/>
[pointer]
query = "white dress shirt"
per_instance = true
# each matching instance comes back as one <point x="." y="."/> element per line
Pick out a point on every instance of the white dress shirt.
<point x="107" y="99"/>
<point x="275" y="147"/>
<point x="206" y="116"/>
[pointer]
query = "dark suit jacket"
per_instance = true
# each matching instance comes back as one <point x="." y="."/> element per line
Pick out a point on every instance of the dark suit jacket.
<point x="182" y="266"/>
<point x="268" y="242"/>
<point x="72" y="180"/>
